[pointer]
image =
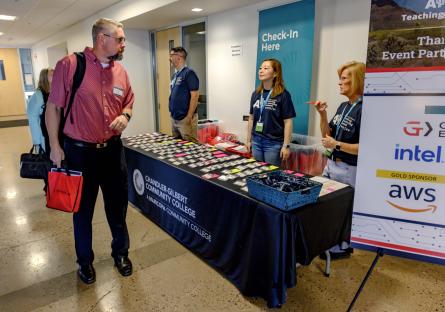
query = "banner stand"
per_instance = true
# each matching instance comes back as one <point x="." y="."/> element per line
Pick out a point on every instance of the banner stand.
<point x="379" y="254"/>
<point x="405" y="96"/>
<point x="286" y="33"/>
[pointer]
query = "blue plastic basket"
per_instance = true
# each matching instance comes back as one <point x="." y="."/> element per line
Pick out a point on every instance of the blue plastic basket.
<point x="283" y="200"/>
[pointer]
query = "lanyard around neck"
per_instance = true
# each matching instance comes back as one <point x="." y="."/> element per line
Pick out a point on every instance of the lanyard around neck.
<point x="337" y="130"/>
<point x="263" y="102"/>
<point x="175" y="77"/>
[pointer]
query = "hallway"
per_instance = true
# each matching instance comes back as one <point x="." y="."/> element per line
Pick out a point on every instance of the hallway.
<point x="38" y="269"/>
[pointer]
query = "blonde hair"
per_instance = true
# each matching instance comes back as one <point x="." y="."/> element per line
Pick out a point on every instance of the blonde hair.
<point x="278" y="82"/>
<point x="43" y="84"/>
<point x="102" y="25"/>
<point x="357" y="70"/>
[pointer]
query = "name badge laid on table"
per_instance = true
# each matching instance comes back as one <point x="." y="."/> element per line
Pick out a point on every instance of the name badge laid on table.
<point x="259" y="127"/>
<point x="118" y="91"/>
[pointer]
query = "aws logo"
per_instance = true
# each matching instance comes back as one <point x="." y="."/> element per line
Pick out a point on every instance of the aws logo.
<point x="424" y="196"/>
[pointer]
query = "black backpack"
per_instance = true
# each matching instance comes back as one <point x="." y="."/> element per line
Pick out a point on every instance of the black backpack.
<point x="77" y="80"/>
<point x="43" y="123"/>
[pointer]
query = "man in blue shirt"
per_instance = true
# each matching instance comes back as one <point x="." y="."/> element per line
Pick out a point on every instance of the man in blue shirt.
<point x="183" y="99"/>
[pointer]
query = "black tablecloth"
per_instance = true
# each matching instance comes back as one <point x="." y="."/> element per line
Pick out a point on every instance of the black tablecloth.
<point x="252" y="244"/>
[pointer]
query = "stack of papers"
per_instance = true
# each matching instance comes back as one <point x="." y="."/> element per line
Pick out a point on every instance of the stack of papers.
<point x="329" y="186"/>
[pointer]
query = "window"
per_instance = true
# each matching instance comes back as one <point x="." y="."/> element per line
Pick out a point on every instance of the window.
<point x="194" y="41"/>
<point x="2" y="71"/>
<point x="28" y="75"/>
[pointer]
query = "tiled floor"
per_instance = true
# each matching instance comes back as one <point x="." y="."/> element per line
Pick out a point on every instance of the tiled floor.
<point x="38" y="270"/>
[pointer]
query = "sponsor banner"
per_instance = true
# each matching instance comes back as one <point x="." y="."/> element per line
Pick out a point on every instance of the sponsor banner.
<point x="404" y="82"/>
<point x="286" y="33"/>
<point x="406" y="48"/>
<point x="400" y="195"/>
<point x="406" y="34"/>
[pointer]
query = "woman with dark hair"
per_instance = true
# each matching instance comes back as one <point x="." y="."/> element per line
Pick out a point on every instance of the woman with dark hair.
<point x="269" y="128"/>
<point x="36" y="111"/>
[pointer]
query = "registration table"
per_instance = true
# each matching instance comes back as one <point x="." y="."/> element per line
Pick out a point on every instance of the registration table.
<point x="252" y="244"/>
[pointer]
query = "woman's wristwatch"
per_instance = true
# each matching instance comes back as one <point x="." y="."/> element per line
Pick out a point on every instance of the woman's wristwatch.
<point x="286" y="146"/>
<point x="338" y="146"/>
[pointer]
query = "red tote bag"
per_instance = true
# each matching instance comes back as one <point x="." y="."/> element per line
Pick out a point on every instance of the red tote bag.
<point x="64" y="190"/>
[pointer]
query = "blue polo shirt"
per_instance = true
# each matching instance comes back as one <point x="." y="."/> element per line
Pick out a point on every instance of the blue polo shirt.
<point x="275" y="111"/>
<point x="345" y="127"/>
<point x="183" y="82"/>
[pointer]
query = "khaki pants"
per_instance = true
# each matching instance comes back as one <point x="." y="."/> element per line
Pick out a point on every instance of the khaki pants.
<point x="188" y="132"/>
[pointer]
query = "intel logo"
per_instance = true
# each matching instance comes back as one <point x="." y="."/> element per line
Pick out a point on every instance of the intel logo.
<point x="418" y="154"/>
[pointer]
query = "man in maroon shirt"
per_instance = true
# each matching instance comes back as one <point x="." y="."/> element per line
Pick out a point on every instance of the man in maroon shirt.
<point x="101" y="110"/>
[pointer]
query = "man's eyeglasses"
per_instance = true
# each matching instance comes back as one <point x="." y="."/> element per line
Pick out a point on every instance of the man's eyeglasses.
<point x="118" y="39"/>
<point x="178" y="54"/>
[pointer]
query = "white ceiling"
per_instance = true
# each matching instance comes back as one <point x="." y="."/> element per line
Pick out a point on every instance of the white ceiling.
<point x="39" y="19"/>
<point x="180" y="11"/>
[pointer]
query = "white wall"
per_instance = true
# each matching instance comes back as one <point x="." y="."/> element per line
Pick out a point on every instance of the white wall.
<point x="341" y="34"/>
<point x="55" y="54"/>
<point x="231" y="79"/>
<point x="137" y="60"/>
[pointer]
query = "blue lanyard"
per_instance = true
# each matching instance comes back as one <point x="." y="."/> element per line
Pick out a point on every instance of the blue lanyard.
<point x="263" y="102"/>
<point x="337" y="130"/>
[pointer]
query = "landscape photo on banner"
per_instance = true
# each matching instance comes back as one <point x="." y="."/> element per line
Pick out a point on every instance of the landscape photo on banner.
<point x="399" y="202"/>
<point x="286" y="33"/>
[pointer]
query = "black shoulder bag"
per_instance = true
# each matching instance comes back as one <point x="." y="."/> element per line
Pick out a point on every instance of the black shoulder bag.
<point x="34" y="166"/>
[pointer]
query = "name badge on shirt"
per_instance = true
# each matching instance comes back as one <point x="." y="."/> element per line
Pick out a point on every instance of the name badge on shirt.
<point x="259" y="127"/>
<point x="118" y="91"/>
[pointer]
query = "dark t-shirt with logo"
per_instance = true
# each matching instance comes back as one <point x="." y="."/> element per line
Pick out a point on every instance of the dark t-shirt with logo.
<point x="349" y="129"/>
<point x="275" y="111"/>
<point x="179" y="101"/>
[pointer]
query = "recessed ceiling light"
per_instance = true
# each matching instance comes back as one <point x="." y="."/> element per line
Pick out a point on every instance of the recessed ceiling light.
<point x="1" y="33"/>
<point x="7" y="17"/>
<point x="196" y="10"/>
